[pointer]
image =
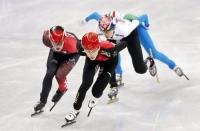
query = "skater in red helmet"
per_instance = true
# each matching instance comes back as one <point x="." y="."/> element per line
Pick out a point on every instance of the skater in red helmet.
<point x="63" y="55"/>
<point x="99" y="54"/>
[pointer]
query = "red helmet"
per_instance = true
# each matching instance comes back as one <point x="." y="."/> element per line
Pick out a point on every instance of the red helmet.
<point x="90" y="41"/>
<point x="57" y="34"/>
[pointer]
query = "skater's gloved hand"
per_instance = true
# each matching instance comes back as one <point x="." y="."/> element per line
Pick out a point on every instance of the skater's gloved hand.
<point x="109" y="52"/>
<point x="144" y="23"/>
<point x="146" y="26"/>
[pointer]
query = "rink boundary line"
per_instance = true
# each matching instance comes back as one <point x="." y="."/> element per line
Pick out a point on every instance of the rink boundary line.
<point x="20" y="63"/>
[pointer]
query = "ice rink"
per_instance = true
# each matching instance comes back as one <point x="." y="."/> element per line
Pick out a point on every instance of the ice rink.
<point x="144" y="105"/>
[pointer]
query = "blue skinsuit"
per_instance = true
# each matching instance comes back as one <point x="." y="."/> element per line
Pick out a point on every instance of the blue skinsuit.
<point x="148" y="44"/>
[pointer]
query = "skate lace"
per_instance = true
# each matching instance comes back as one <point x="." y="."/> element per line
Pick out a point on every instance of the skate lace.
<point x="74" y="113"/>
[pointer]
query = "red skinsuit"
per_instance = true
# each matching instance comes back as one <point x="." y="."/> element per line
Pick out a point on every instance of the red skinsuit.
<point x="69" y="47"/>
<point x="104" y="45"/>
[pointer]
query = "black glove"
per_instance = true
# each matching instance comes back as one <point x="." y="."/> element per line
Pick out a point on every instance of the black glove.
<point x="109" y="52"/>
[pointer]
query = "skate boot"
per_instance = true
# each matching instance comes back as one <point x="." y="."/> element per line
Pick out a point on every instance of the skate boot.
<point x="57" y="96"/>
<point x="92" y="103"/>
<point x="70" y="118"/>
<point x="152" y="67"/>
<point x="112" y="95"/>
<point x="179" y="72"/>
<point x="38" y="108"/>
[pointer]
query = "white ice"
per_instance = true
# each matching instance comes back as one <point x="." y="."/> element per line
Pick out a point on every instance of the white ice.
<point x="172" y="105"/>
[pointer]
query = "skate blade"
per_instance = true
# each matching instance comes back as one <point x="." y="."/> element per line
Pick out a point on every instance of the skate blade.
<point x="186" y="77"/>
<point x="68" y="123"/>
<point x="157" y="78"/>
<point x="53" y="106"/>
<point x="89" y="112"/>
<point x="113" y="100"/>
<point x="37" y="113"/>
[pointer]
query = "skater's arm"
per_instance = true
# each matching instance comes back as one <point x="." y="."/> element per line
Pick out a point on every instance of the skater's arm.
<point x="113" y="51"/>
<point x="93" y="16"/>
<point x="120" y="46"/>
<point x="45" y="39"/>
<point x="125" y="28"/>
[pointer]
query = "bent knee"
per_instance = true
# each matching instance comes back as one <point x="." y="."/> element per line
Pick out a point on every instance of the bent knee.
<point x="141" y="70"/>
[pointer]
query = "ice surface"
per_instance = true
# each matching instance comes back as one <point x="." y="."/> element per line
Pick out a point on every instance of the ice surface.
<point x="172" y="105"/>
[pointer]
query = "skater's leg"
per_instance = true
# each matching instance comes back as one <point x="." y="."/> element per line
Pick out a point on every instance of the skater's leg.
<point x="63" y="70"/>
<point x="100" y="84"/>
<point x="103" y="79"/>
<point x="52" y="66"/>
<point x="118" y="69"/>
<point x="113" y="81"/>
<point x="163" y="58"/>
<point x="87" y="80"/>
<point x="135" y="51"/>
<point x="89" y="71"/>
<point x="61" y="74"/>
<point x="113" y="87"/>
<point x="148" y="44"/>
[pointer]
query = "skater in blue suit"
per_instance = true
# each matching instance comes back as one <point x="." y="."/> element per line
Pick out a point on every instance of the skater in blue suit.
<point x="145" y="40"/>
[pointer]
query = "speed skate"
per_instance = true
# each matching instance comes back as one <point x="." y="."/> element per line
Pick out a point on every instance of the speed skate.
<point x="113" y="95"/>
<point x="68" y="122"/>
<point x="113" y="99"/>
